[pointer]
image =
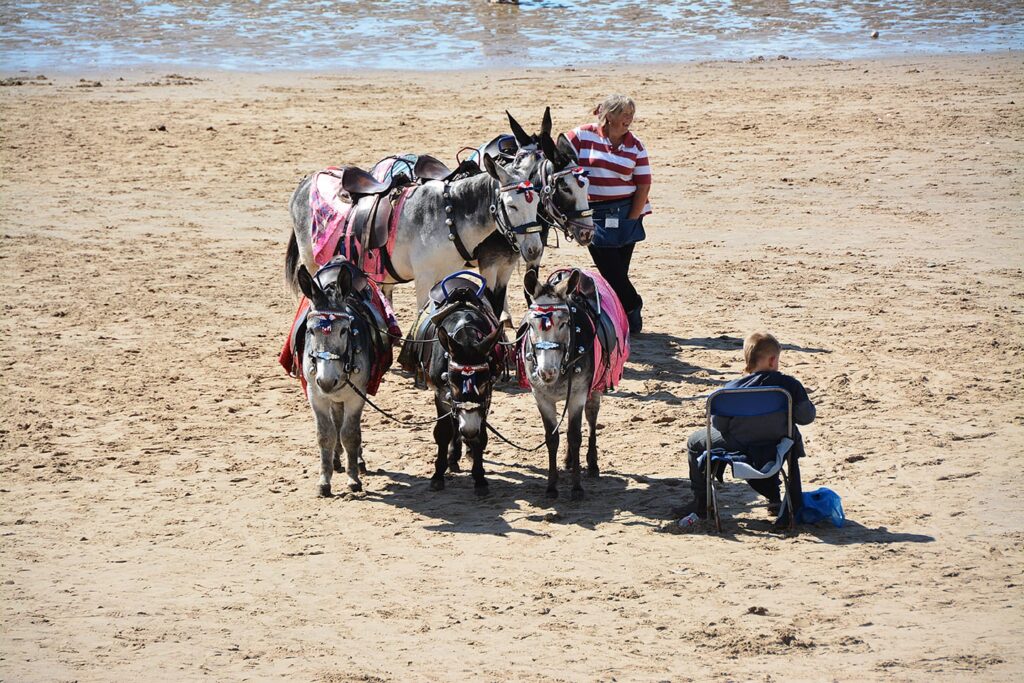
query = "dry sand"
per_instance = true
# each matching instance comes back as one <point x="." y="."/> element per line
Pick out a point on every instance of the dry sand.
<point x="159" y="518"/>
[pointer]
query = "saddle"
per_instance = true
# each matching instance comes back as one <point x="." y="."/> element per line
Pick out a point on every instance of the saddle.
<point x="445" y="297"/>
<point x="604" y="327"/>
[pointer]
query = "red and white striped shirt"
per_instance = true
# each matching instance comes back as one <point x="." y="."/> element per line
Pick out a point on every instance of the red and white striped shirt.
<point x="614" y="171"/>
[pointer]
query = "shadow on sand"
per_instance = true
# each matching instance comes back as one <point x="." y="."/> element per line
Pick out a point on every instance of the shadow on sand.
<point x="518" y="492"/>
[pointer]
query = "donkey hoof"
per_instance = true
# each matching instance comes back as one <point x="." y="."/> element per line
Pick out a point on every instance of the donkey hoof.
<point x="453" y="466"/>
<point x="552" y="493"/>
<point x="593" y="472"/>
<point x="338" y="467"/>
<point x="355" y="487"/>
<point x="437" y="484"/>
<point x="576" y="495"/>
<point x="362" y="467"/>
<point x="325" y="491"/>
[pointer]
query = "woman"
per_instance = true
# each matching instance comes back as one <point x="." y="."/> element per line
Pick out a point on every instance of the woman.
<point x="620" y="180"/>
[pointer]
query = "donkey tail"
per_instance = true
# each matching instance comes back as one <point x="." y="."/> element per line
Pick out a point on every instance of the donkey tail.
<point x="291" y="265"/>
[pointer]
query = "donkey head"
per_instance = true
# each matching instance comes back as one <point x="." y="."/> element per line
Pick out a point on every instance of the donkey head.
<point x="468" y="340"/>
<point x="515" y="210"/>
<point x="555" y="167"/>
<point x="550" y="344"/>
<point x="332" y="337"/>
<point x="566" y="187"/>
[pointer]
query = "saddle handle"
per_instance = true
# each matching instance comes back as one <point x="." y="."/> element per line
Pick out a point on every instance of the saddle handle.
<point x="464" y="273"/>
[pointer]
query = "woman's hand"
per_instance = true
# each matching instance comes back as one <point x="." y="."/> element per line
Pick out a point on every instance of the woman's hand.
<point x="639" y="201"/>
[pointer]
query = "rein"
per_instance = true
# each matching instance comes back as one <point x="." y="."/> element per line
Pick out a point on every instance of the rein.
<point x="547" y="436"/>
<point x="389" y="415"/>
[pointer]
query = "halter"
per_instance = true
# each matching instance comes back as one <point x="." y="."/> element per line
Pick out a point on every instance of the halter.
<point x="548" y="210"/>
<point x="470" y="384"/>
<point x="323" y="322"/>
<point x="545" y="314"/>
<point x="505" y="226"/>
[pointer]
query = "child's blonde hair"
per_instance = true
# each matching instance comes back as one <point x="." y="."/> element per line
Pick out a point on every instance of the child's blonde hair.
<point x="757" y="347"/>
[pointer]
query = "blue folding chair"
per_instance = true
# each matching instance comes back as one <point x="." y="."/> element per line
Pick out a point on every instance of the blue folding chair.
<point x="749" y="402"/>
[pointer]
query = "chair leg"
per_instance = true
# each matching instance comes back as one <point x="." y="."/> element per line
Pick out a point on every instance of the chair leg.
<point x="712" y="494"/>
<point x="787" y="501"/>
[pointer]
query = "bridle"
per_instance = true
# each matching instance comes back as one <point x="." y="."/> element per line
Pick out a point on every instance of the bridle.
<point x="548" y="210"/>
<point x="323" y="321"/>
<point x="566" y="220"/>
<point x="471" y="385"/>
<point x="504" y="223"/>
<point x="545" y="313"/>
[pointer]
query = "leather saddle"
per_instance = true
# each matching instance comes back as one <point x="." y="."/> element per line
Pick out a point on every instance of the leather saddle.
<point x="373" y="200"/>
<point x="604" y="327"/>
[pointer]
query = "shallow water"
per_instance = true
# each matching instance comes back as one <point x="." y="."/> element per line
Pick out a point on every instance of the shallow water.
<point x="446" y="34"/>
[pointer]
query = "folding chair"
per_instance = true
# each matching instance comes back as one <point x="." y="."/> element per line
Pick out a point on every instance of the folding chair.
<point x="749" y="402"/>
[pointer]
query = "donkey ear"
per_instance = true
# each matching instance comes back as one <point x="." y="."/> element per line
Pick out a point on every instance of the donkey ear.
<point x="344" y="280"/>
<point x="530" y="283"/>
<point x="547" y="145"/>
<point x="488" y="342"/>
<point x="545" y="123"/>
<point x="574" y="281"/>
<point x="495" y="170"/>
<point x="566" y="148"/>
<point x="442" y="336"/>
<point x="521" y="136"/>
<point x="306" y="283"/>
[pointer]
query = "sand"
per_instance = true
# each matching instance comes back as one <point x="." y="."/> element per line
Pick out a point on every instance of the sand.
<point x="157" y="497"/>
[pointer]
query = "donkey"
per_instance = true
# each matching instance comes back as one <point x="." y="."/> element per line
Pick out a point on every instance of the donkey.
<point x="441" y="225"/>
<point x="574" y="346"/>
<point x="339" y="365"/>
<point x="555" y="169"/>
<point x="460" y="365"/>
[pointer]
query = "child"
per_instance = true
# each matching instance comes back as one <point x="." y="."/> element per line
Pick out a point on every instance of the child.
<point x="761" y="352"/>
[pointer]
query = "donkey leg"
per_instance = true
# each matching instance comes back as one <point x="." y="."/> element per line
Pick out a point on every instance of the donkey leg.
<point x="455" y="453"/>
<point x="547" y="416"/>
<point x="327" y="438"/>
<point x="575" y="438"/>
<point x="480" y="485"/>
<point x="338" y="417"/>
<point x="352" y="438"/>
<point x="388" y="289"/>
<point x="444" y="430"/>
<point x="592" y="408"/>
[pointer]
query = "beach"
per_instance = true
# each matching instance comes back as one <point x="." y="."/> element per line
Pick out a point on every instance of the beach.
<point x="158" y="469"/>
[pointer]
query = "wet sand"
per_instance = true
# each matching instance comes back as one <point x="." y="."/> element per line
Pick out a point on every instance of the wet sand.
<point x="158" y="482"/>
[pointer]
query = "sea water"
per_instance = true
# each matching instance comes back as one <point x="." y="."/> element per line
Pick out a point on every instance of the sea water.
<point x="448" y="34"/>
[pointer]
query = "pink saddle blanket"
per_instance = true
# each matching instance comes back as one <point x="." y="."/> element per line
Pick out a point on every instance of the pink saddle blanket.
<point x="331" y="210"/>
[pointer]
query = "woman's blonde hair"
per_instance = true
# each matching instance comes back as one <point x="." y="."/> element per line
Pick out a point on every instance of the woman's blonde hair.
<point x="758" y="346"/>
<point x="613" y="105"/>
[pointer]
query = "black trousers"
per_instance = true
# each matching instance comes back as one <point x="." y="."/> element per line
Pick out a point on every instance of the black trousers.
<point x="613" y="264"/>
<point x="769" y="488"/>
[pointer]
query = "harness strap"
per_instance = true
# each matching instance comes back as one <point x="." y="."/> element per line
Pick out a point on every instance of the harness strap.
<point x="453" y="232"/>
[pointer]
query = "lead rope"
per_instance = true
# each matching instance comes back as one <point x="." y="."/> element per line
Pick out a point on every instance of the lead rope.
<point x="389" y="415"/>
<point x="547" y="436"/>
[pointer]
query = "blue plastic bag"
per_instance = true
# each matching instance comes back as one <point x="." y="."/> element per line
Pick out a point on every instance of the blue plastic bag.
<point x="821" y="504"/>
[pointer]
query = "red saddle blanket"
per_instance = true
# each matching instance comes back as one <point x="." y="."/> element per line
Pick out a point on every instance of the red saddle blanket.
<point x="383" y="353"/>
